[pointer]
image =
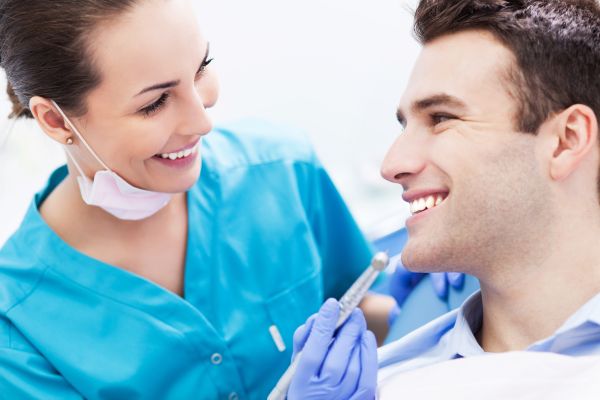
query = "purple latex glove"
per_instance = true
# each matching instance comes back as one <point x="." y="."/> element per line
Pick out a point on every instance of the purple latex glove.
<point x="441" y="282"/>
<point x="334" y="365"/>
<point x="403" y="281"/>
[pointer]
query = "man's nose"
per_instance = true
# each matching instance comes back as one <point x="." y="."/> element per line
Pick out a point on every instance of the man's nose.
<point x="406" y="157"/>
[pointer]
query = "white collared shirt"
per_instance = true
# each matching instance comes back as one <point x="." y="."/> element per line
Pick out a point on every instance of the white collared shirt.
<point x="451" y="336"/>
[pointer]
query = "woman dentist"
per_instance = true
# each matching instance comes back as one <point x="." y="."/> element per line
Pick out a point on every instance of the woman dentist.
<point x="162" y="261"/>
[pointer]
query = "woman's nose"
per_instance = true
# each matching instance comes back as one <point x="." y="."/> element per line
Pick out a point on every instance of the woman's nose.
<point x="196" y="120"/>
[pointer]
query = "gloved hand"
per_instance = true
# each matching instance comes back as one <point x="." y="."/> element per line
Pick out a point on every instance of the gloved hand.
<point x="403" y="281"/>
<point x="441" y="282"/>
<point x="345" y="369"/>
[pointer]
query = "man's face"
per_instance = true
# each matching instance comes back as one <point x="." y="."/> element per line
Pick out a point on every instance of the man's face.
<point x="476" y="185"/>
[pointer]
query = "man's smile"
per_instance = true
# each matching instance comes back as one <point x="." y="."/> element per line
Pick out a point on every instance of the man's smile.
<point x="421" y="200"/>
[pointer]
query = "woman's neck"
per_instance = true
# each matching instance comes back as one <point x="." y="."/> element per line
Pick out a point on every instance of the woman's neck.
<point x="77" y="222"/>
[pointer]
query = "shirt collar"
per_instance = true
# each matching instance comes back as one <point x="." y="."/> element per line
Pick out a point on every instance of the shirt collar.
<point x="461" y="339"/>
<point x="589" y="312"/>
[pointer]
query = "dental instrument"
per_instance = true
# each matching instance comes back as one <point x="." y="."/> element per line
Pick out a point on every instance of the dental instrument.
<point x="348" y="302"/>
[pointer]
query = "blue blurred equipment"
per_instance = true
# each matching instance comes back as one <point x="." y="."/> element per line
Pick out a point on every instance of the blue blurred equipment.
<point x="334" y="365"/>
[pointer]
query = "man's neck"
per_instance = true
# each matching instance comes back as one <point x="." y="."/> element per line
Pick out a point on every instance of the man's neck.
<point x="530" y="302"/>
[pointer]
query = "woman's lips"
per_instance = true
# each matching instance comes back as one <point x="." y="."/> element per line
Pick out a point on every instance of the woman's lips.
<point x="181" y="158"/>
<point x="180" y="153"/>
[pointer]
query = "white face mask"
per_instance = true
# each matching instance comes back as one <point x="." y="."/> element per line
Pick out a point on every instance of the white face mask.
<point x="111" y="192"/>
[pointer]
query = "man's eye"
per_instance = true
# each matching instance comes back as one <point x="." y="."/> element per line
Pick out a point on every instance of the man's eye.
<point x="439" y="118"/>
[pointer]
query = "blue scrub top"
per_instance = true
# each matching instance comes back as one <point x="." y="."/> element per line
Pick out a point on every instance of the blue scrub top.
<point x="269" y="239"/>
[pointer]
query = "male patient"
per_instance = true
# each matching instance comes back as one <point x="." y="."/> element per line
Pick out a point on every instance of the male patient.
<point x="499" y="159"/>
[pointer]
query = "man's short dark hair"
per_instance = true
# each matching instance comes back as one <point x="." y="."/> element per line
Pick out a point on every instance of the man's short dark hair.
<point x="556" y="44"/>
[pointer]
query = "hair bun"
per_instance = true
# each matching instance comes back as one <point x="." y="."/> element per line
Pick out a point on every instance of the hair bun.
<point x="18" y="110"/>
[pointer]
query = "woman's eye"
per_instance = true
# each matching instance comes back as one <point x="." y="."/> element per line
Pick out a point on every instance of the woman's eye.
<point x="203" y="66"/>
<point x="156" y="106"/>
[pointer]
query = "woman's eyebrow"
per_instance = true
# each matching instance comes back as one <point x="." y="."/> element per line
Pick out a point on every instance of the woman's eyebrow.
<point x="170" y="84"/>
<point x="164" y="85"/>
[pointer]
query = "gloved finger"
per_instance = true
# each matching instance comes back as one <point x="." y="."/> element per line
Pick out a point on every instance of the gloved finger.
<point x="349" y="380"/>
<point x="393" y="315"/>
<point x="456" y="280"/>
<point x="317" y="345"/>
<point x="367" y="383"/>
<point x="301" y="334"/>
<point x="406" y="278"/>
<point x="416" y="278"/>
<point x="440" y="284"/>
<point x="347" y="338"/>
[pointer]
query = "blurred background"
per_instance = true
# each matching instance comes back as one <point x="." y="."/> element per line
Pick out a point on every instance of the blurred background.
<point x="334" y="68"/>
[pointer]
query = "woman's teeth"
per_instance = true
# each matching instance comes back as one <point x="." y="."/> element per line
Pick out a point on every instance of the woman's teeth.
<point x="425" y="203"/>
<point x="180" y="154"/>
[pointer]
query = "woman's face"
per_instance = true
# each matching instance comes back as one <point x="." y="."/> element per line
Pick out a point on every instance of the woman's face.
<point x="149" y="111"/>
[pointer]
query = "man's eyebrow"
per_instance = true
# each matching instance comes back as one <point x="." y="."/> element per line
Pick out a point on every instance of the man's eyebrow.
<point x="441" y="99"/>
<point x="170" y="84"/>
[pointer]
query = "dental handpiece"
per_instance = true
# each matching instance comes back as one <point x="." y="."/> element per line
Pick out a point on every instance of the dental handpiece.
<point x="348" y="302"/>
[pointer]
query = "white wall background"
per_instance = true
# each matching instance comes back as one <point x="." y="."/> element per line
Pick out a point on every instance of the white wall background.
<point x="335" y="68"/>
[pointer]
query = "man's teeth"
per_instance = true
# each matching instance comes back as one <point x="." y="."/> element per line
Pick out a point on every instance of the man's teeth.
<point x="425" y="203"/>
<point x="180" y="154"/>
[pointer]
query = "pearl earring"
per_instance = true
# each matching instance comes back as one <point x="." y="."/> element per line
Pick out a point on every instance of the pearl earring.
<point x="69" y="141"/>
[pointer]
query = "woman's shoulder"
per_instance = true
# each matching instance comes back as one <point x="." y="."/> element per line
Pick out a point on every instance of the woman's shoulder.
<point x="20" y="267"/>
<point x="12" y="339"/>
<point x="255" y="142"/>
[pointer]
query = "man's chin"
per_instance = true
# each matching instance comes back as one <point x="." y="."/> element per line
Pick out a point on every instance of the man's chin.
<point x="426" y="259"/>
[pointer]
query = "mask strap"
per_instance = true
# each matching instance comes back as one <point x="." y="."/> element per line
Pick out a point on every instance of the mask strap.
<point x="76" y="164"/>
<point x="80" y="136"/>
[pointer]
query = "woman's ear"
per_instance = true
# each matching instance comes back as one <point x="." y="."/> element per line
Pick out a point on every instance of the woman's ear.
<point x="50" y="120"/>
<point x="575" y="135"/>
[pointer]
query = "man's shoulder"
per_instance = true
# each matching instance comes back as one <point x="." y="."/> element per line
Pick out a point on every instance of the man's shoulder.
<point x="254" y="142"/>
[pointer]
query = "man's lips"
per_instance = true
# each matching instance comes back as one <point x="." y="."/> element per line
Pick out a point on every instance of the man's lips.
<point x="424" y="199"/>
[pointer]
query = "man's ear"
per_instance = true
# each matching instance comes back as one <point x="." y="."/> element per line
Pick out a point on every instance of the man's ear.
<point x="50" y="120"/>
<point x="575" y="135"/>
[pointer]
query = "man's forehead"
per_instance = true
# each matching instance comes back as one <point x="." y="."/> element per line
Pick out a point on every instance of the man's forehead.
<point x="468" y="65"/>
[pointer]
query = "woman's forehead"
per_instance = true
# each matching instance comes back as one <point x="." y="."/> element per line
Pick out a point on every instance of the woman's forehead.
<point x="157" y="40"/>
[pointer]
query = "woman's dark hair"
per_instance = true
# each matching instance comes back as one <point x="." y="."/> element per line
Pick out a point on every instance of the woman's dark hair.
<point x="45" y="51"/>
